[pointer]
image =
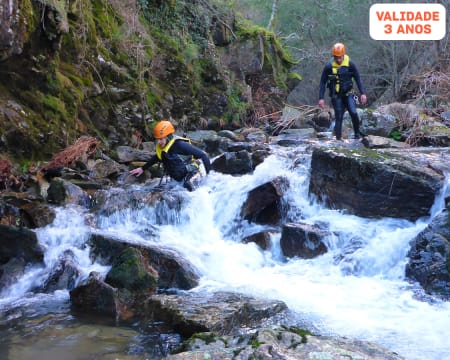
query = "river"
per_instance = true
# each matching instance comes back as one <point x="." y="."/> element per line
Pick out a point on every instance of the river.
<point x="357" y="289"/>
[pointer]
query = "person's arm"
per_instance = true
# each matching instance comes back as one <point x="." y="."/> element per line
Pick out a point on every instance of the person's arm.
<point x="140" y="170"/>
<point x="323" y="83"/>
<point x="184" y="148"/>
<point x="357" y="78"/>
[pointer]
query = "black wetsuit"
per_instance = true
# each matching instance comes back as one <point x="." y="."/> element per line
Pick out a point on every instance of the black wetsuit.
<point x="177" y="159"/>
<point x="343" y="99"/>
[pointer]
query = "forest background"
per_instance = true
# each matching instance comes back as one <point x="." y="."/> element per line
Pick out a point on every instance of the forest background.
<point x="390" y="70"/>
<point x="112" y="69"/>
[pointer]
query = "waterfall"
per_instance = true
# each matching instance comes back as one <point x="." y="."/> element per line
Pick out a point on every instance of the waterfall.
<point x="357" y="289"/>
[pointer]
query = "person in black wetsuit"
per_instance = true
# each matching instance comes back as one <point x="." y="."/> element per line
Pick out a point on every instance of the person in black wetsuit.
<point x="338" y="75"/>
<point x="177" y="154"/>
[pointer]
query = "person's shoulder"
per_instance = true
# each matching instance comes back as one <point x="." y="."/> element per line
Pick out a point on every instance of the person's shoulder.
<point x="351" y="62"/>
<point x="327" y="66"/>
<point x="182" y="140"/>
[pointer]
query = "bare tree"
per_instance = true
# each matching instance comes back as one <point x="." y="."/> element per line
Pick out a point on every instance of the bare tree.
<point x="273" y="16"/>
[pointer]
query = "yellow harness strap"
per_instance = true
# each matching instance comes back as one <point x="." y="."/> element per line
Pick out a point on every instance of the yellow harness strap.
<point x="160" y="150"/>
<point x="335" y="67"/>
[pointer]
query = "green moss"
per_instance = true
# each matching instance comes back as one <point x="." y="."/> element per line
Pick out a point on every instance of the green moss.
<point x="295" y="76"/>
<point x="300" y="332"/>
<point x="276" y="58"/>
<point x="55" y="106"/>
<point x="207" y="337"/>
<point x="237" y="108"/>
<point x="28" y="18"/>
<point x="256" y="344"/>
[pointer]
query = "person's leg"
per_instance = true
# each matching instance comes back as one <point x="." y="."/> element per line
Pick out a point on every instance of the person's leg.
<point x="338" y="106"/>
<point x="350" y="104"/>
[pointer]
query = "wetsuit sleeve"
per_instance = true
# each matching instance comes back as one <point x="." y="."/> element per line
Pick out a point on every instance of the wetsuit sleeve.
<point x="323" y="80"/>
<point x="184" y="148"/>
<point x="357" y="78"/>
<point x="153" y="160"/>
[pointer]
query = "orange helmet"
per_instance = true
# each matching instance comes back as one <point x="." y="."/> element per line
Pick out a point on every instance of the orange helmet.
<point x="162" y="129"/>
<point x="338" y="49"/>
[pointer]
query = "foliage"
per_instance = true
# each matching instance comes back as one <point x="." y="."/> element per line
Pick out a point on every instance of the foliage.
<point x="309" y="28"/>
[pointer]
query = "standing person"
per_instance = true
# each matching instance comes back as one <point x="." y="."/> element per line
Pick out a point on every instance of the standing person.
<point x="176" y="154"/>
<point x="338" y="75"/>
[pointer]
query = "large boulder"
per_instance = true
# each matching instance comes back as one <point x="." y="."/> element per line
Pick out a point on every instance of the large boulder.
<point x="429" y="257"/>
<point x="25" y="209"/>
<point x="19" y="247"/>
<point x="95" y="296"/>
<point x="263" y="204"/>
<point x="131" y="271"/>
<point x="302" y="240"/>
<point x="173" y="270"/>
<point x="222" y="312"/>
<point x="19" y="242"/>
<point x="280" y="342"/>
<point x="379" y="183"/>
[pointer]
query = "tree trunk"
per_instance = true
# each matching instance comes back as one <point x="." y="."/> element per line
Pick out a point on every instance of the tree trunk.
<point x="273" y="16"/>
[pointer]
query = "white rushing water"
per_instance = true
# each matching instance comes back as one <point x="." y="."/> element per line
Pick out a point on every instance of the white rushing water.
<point x="357" y="289"/>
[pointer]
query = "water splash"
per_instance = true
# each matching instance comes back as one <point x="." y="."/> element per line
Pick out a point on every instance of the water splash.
<point x="357" y="289"/>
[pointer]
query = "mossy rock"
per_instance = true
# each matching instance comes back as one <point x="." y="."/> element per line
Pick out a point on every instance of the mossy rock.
<point x="131" y="271"/>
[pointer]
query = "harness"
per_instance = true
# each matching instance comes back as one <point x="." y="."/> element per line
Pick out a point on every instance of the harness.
<point x="176" y="165"/>
<point x="340" y="82"/>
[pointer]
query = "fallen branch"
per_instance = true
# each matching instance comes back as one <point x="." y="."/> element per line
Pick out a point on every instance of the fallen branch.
<point x="83" y="148"/>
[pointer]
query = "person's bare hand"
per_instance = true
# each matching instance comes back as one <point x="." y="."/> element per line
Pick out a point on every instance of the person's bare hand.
<point x="363" y="99"/>
<point x="322" y="104"/>
<point x="138" y="171"/>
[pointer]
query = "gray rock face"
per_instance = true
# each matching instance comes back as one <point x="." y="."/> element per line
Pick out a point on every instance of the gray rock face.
<point x="263" y="204"/>
<point x="222" y="313"/>
<point x="429" y="257"/>
<point x="10" y="24"/>
<point x="376" y="184"/>
<point x="302" y="240"/>
<point x="281" y="343"/>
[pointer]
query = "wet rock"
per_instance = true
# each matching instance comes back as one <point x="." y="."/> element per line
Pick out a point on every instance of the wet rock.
<point x="173" y="270"/>
<point x="63" y="192"/>
<point x="374" y="184"/>
<point x="302" y="240"/>
<point x="262" y="239"/>
<point x="234" y="163"/>
<point x="106" y="202"/>
<point x="429" y="257"/>
<point x="131" y="271"/>
<point x="222" y="312"/>
<point x="19" y="247"/>
<point x="25" y="209"/>
<point x="263" y="204"/>
<point x="96" y="297"/>
<point x="294" y="137"/>
<point x="11" y="271"/>
<point x="280" y="342"/>
<point x="64" y="275"/>
<point x="19" y="243"/>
